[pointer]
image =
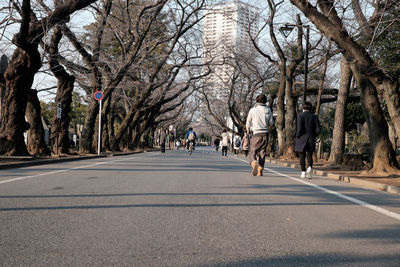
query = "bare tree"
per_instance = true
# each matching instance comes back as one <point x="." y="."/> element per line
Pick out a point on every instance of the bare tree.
<point x="368" y="78"/>
<point x="24" y="64"/>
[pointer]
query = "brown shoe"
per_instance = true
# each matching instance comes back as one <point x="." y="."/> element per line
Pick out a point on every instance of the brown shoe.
<point x="254" y="166"/>
<point x="260" y="171"/>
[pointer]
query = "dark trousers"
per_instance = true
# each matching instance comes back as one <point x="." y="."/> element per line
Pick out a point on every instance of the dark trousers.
<point x="162" y="145"/>
<point x="258" y="148"/>
<point x="246" y="152"/>
<point x="306" y="152"/>
<point x="224" y="150"/>
<point x="236" y="151"/>
<point x="190" y="141"/>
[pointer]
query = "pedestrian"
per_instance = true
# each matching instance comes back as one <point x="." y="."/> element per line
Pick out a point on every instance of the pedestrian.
<point x="259" y="119"/>
<point x="246" y="143"/>
<point x="183" y="142"/>
<point x="224" y="142"/>
<point x="171" y="140"/>
<point x="162" y="139"/>
<point x="308" y="128"/>
<point x="216" y="143"/>
<point x="237" y="141"/>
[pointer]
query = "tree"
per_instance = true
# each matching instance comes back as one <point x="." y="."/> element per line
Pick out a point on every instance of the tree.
<point x="367" y="76"/>
<point x="24" y="64"/>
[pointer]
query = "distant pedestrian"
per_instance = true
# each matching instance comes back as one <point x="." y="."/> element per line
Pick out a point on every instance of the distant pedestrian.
<point x="259" y="119"/>
<point x="308" y="128"/>
<point x="162" y="139"/>
<point x="224" y="142"/>
<point x="216" y="143"/>
<point x="246" y="143"/>
<point x="237" y="141"/>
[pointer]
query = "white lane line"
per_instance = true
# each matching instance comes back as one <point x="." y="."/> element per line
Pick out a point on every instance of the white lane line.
<point x="70" y="169"/>
<point x="351" y="199"/>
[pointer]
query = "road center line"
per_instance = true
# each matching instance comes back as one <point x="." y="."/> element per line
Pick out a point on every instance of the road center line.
<point x="70" y="169"/>
<point x="351" y="199"/>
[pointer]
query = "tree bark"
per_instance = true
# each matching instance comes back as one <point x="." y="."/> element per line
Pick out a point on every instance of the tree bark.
<point x="19" y="78"/>
<point x="89" y="129"/>
<point x="19" y="75"/>
<point x="337" y="147"/>
<point x="36" y="144"/>
<point x="280" y="118"/>
<point x="383" y="156"/>
<point x="65" y="86"/>
<point x="290" y="116"/>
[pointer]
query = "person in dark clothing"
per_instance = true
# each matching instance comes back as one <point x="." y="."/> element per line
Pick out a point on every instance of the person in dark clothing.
<point x="162" y="140"/>
<point x="216" y="143"/>
<point x="308" y="128"/>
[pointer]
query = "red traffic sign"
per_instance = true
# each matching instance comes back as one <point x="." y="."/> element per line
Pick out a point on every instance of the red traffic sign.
<point x="98" y="95"/>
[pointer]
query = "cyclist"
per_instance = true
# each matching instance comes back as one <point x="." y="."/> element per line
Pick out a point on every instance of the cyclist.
<point x="191" y="138"/>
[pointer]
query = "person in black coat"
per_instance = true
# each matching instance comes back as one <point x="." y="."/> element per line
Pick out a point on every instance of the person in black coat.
<point x="308" y="128"/>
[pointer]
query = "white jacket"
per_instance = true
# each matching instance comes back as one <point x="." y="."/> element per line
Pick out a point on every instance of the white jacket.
<point x="225" y="139"/>
<point x="259" y="118"/>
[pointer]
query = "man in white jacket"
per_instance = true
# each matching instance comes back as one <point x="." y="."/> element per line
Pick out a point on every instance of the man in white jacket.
<point x="259" y="119"/>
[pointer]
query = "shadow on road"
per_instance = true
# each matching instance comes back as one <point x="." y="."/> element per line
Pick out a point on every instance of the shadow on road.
<point x="318" y="259"/>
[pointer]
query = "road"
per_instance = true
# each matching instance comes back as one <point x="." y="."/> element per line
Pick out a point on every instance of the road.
<point x="180" y="210"/>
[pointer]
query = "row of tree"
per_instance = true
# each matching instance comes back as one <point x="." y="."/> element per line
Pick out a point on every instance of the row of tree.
<point x="367" y="49"/>
<point x="145" y="56"/>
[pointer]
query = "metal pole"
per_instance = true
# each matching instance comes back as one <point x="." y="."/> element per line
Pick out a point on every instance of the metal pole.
<point x="306" y="63"/>
<point x="99" y="138"/>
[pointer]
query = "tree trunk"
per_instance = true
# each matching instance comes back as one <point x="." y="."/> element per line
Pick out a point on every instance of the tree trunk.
<point x="89" y="128"/>
<point x="280" y="118"/>
<point x="382" y="154"/>
<point x="322" y="80"/>
<point x="36" y="144"/>
<point x="337" y="147"/>
<point x="290" y="116"/>
<point x="19" y="78"/>
<point x="65" y="86"/>
<point x="105" y="141"/>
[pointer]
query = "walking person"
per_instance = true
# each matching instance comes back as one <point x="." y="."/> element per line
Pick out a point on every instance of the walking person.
<point x="237" y="141"/>
<point x="162" y="139"/>
<point x="259" y="119"/>
<point x="308" y="128"/>
<point x="224" y="142"/>
<point x="246" y="143"/>
<point x="216" y="143"/>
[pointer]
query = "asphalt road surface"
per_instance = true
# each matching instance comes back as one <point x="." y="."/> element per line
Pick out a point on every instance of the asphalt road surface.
<point x="180" y="210"/>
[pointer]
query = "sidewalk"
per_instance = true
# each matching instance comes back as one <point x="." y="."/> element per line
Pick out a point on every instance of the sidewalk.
<point x="8" y="162"/>
<point x="390" y="184"/>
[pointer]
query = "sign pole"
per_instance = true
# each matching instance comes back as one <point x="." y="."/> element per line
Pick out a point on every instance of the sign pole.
<point x="99" y="138"/>
<point x="98" y="95"/>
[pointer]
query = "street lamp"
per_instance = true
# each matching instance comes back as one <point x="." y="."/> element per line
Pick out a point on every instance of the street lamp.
<point x="286" y="30"/>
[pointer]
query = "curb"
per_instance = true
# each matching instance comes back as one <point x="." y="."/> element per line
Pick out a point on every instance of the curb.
<point x="66" y="159"/>
<point x="351" y="180"/>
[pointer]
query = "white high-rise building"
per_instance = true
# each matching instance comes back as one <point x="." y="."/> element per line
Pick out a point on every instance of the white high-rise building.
<point x="226" y="33"/>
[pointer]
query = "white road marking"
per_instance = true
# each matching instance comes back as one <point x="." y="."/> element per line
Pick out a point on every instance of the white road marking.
<point x="351" y="199"/>
<point x="70" y="169"/>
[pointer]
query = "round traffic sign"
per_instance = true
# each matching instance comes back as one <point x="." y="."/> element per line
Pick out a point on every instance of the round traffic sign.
<point x="98" y="95"/>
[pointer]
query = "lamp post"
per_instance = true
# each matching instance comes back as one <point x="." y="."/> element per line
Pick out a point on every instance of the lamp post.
<point x="286" y="30"/>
